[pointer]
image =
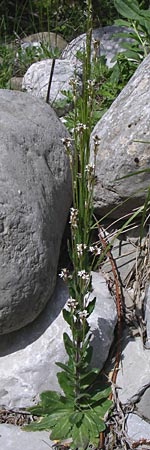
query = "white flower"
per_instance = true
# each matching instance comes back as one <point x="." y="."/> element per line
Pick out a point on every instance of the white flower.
<point x="95" y="250"/>
<point x="67" y="143"/>
<point x="64" y="274"/>
<point x="82" y="314"/>
<point x="90" y="169"/>
<point x="80" y="127"/>
<point x="73" y="217"/>
<point x="72" y="303"/>
<point x="84" y="275"/>
<point x="80" y="248"/>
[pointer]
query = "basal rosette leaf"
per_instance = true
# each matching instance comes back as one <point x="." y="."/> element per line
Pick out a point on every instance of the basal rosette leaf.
<point x="76" y="417"/>
<point x="49" y="401"/>
<point x="62" y="428"/>
<point x="80" y="438"/>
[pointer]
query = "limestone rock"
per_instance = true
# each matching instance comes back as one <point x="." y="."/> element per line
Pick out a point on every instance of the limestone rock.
<point x="142" y="406"/>
<point x="35" y="193"/>
<point x="109" y="45"/>
<point x="147" y="314"/>
<point x="36" y="80"/>
<point x="118" y="154"/>
<point x="135" y="365"/>
<point x="14" y="438"/>
<point x="28" y="356"/>
<point x="137" y="428"/>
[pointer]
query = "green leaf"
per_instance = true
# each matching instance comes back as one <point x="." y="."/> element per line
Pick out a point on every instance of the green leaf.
<point x="122" y="23"/>
<point x="79" y="436"/>
<point x="101" y="409"/>
<point x="62" y="429"/>
<point x="101" y="394"/>
<point x="97" y="419"/>
<point x="65" y="383"/>
<point x="93" y="429"/>
<point x="67" y="317"/>
<point x="69" y="347"/>
<point x="89" y="378"/>
<point x="65" y="367"/>
<point x="76" y="417"/>
<point x="49" y="402"/>
<point x="128" y="8"/>
<point x="91" y="306"/>
<point x="45" y="423"/>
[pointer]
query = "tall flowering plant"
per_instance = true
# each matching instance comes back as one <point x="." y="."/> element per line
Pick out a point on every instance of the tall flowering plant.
<point x="77" y="416"/>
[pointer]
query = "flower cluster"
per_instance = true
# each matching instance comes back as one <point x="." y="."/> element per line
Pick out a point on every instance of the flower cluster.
<point x="72" y="303"/>
<point x="64" y="274"/>
<point x="82" y="314"/>
<point x="90" y="169"/>
<point x="80" y="127"/>
<point x="80" y="249"/>
<point x="73" y="217"/>
<point x="84" y="275"/>
<point x="95" y="250"/>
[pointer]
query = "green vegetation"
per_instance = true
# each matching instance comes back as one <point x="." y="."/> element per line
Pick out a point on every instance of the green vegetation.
<point x="78" y="414"/>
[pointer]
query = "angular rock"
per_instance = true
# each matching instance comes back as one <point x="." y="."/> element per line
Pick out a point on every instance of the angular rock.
<point x="133" y="376"/>
<point x="109" y="45"/>
<point x="28" y="356"/>
<point x="35" y="194"/>
<point x="14" y="438"/>
<point x="143" y="406"/>
<point x="147" y="314"/>
<point x="118" y="154"/>
<point x="137" y="428"/>
<point x="36" y="81"/>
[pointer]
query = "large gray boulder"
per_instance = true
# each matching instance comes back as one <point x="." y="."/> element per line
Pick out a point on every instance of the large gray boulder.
<point x="109" y="44"/>
<point x="126" y="121"/>
<point x="28" y="356"/>
<point x="35" y="196"/>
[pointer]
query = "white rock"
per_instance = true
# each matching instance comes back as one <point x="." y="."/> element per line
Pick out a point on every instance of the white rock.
<point x="36" y="81"/>
<point x="120" y="151"/>
<point x="109" y="44"/>
<point x="27" y="363"/>
<point x="14" y="438"/>
<point x="134" y="370"/>
<point x="137" y="428"/>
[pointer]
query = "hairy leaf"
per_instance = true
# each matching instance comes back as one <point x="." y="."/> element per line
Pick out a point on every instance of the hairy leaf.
<point x="66" y="383"/>
<point x="79" y="436"/>
<point x="62" y="428"/>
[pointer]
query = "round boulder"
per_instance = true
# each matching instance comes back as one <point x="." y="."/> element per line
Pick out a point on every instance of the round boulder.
<point x="35" y="196"/>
